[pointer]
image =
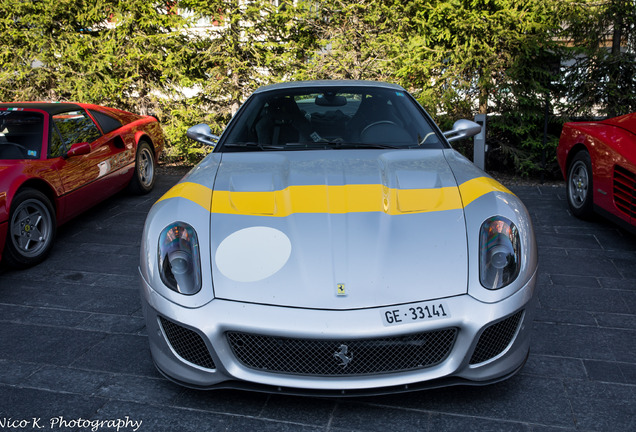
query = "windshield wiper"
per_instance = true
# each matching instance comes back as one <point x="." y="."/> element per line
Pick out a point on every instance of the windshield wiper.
<point x="252" y="145"/>
<point x="309" y="145"/>
<point x="347" y="145"/>
<point x="330" y="145"/>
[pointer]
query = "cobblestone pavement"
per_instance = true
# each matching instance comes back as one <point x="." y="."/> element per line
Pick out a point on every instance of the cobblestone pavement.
<point x="73" y="347"/>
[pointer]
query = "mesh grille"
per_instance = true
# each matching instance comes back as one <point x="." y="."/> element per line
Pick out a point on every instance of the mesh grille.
<point x="625" y="190"/>
<point x="187" y="344"/>
<point x="496" y="338"/>
<point x="319" y="357"/>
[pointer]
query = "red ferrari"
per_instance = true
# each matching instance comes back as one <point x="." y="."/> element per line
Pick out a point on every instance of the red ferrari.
<point x="598" y="161"/>
<point x="59" y="159"/>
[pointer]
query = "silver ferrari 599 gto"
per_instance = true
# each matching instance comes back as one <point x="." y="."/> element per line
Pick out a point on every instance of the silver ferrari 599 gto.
<point x="334" y="243"/>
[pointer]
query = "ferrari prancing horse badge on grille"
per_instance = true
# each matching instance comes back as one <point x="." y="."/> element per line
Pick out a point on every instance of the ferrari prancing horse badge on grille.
<point x="340" y="290"/>
<point x="341" y="355"/>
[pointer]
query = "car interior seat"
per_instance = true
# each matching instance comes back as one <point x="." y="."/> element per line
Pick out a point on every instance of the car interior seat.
<point x="283" y="122"/>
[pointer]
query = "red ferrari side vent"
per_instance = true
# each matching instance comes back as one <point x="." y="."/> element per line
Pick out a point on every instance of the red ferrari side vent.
<point x="625" y="190"/>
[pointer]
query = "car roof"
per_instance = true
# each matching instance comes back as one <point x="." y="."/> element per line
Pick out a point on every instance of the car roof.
<point x="327" y="83"/>
<point x="49" y="107"/>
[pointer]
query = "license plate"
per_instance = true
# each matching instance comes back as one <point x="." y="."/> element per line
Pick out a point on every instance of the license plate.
<point x="418" y="312"/>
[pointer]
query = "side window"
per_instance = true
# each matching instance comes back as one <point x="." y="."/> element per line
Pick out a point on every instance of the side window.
<point x="20" y="134"/>
<point x="75" y="127"/>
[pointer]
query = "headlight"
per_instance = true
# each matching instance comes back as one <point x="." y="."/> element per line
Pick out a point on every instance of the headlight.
<point x="179" y="263"/>
<point x="499" y="259"/>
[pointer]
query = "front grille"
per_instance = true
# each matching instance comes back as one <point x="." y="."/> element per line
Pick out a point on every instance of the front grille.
<point x="187" y="344"/>
<point x="496" y="338"/>
<point x="625" y="190"/>
<point x="317" y="357"/>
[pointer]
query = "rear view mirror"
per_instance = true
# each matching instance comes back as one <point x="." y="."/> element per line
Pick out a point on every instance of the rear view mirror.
<point x="331" y="100"/>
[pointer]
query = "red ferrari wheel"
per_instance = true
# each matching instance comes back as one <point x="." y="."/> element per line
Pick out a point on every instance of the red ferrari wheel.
<point x="144" y="177"/>
<point x="579" y="186"/>
<point x="31" y="229"/>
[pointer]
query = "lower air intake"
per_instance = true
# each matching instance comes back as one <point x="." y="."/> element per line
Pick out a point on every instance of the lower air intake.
<point x="187" y="344"/>
<point x="496" y="338"/>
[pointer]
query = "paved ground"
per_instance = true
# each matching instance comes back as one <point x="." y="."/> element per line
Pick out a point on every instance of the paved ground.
<point x="73" y="344"/>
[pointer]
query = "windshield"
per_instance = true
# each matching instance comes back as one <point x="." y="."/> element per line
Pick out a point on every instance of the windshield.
<point x="20" y="134"/>
<point x="330" y="118"/>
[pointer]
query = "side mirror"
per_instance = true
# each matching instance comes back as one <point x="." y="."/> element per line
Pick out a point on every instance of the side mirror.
<point x="79" y="149"/>
<point x="462" y="129"/>
<point x="202" y="134"/>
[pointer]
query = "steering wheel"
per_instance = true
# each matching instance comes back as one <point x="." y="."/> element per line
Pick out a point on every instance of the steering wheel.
<point x="14" y="144"/>
<point x="377" y="123"/>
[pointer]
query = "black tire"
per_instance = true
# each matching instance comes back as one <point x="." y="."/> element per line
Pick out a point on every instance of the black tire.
<point x="579" y="187"/>
<point x="31" y="231"/>
<point x="143" y="179"/>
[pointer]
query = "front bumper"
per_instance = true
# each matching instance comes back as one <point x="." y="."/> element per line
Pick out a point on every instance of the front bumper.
<point x="215" y="364"/>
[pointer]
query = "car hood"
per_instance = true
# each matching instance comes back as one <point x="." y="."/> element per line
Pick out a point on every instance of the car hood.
<point x="337" y="229"/>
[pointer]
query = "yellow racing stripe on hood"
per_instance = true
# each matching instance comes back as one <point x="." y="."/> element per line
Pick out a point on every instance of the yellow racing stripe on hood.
<point x="194" y="192"/>
<point x="478" y="187"/>
<point x="333" y="199"/>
